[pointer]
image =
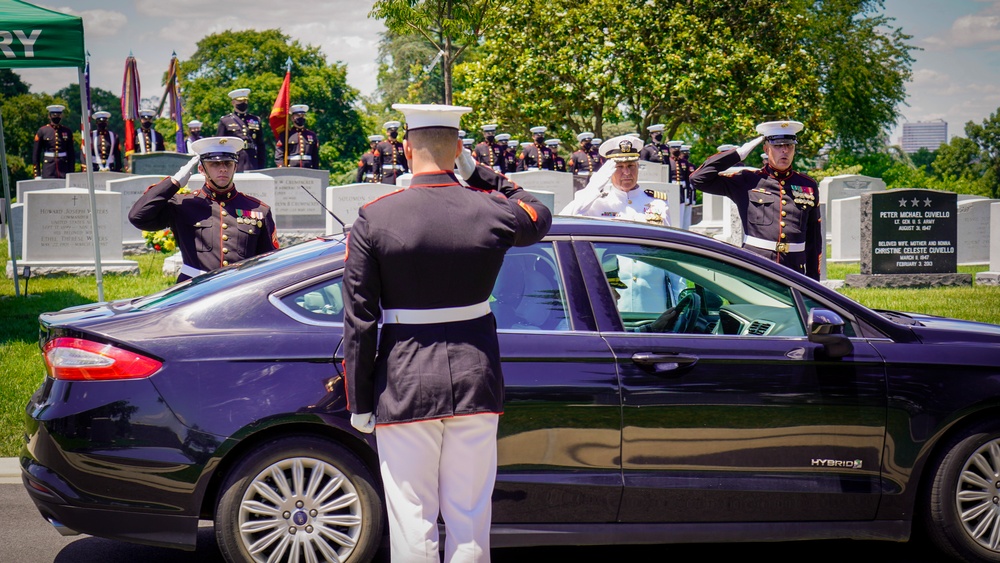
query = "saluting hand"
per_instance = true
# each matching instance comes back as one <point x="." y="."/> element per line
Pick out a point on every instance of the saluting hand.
<point x="184" y="174"/>
<point x="744" y="151"/>
<point x="466" y="164"/>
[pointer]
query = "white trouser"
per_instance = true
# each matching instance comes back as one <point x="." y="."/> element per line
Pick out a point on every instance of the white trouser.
<point x="447" y="465"/>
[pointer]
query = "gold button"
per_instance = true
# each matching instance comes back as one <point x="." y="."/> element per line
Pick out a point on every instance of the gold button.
<point x="782" y="183"/>
<point x="222" y="203"/>
<point x="225" y="251"/>
<point x="782" y="223"/>
<point x="225" y="262"/>
<point x="761" y="200"/>
<point x="783" y="213"/>
<point x="225" y="226"/>
<point x="224" y="213"/>
<point x="198" y="224"/>
<point x="226" y="237"/>
<point x="782" y="235"/>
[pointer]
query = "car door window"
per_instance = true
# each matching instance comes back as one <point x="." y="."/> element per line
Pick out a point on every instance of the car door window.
<point x="529" y="293"/>
<point x="322" y="302"/>
<point x="669" y="291"/>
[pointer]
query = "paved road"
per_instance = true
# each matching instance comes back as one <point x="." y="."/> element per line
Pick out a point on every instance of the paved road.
<point x="26" y="538"/>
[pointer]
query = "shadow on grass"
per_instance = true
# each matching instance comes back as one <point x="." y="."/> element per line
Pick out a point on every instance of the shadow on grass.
<point x="20" y="314"/>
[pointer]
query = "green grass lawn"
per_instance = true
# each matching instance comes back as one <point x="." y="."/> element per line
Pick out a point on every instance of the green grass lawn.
<point x="22" y="369"/>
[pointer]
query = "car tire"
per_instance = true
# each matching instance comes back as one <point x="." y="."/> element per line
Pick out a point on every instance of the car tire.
<point x="299" y="498"/>
<point x="963" y="510"/>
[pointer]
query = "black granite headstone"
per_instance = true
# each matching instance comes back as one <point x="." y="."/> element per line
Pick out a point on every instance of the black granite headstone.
<point x="912" y="232"/>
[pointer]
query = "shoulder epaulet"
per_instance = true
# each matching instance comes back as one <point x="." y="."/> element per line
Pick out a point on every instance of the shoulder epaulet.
<point x="400" y="190"/>
<point x="656" y="194"/>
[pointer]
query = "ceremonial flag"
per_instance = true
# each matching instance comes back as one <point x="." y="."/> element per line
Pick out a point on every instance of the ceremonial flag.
<point x="130" y="103"/>
<point x="173" y="95"/>
<point x="279" y="113"/>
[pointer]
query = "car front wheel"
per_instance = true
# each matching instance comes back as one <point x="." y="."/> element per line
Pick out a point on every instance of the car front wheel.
<point x="964" y="501"/>
<point x="299" y="498"/>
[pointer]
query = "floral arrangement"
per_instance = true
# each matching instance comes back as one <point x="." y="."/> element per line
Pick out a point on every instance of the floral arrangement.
<point x="160" y="241"/>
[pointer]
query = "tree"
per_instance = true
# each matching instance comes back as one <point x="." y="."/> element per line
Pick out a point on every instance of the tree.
<point x="448" y="26"/>
<point x="403" y="73"/>
<point x="710" y="71"/>
<point x="11" y="84"/>
<point x="987" y="138"/>
<point x="924" y="159"/>
<point x="100" y="99"/>
<point x="864" y="65"/>
<point x="256" y="60"/>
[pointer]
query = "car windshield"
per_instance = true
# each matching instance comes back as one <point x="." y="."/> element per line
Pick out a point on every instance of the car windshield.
<point x="224" y="278"/>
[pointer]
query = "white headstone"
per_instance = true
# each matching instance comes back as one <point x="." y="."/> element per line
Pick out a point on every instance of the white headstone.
<point x="17" y="226"/>
<point x="403" y="180"/>
<point x="711" y="211"/>
<point x="732" y="227"/>
<point x="131" y="187"/>
<point x="845" y="228"/>
<point x="25" y="186"/>
<point x="252" y="184"/>
<point x="101" y="179"/>
<point x="558" y="183"/>
<point x="344" y="202"/>
<point x="848" y="185"/>
<point x="299" y="197"/>
<point x="547" y="198"/>
<point x="653" y="172"/>
<point x="58" y="233"/>
<point x="995" y="235"/>
<point x="974" y="231"/>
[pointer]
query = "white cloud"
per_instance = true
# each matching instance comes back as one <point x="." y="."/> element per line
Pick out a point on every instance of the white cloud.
<point x="97" y="23"/>
<point x="979" y="29"/>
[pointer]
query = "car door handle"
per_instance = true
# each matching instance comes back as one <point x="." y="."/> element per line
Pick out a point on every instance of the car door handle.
<point x="663" y="363"/>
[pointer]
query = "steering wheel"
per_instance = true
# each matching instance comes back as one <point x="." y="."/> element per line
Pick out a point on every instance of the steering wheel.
<point x="688" y="311"/>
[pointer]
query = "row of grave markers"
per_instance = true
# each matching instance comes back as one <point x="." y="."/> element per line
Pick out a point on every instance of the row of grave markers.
<point x="57" y="227"/>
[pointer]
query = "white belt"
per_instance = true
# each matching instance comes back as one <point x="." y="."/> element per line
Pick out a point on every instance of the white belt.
<point x="532" y="168"/>
<point x="369" y="175"/>
<point x="782" y="247"/>
<point x="496" y="168"/>
<point x="301" y="157"/>
<point x="62" y="154"/>
<point x="581" y="173"/>
<point x="191" y="271"/>
<point x="435" y="316"/>
<point x="392" y="167"/>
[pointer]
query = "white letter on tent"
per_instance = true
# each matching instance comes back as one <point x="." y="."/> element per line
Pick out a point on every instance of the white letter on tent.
<point x="6" y="39"/>
<point x="29" y="41"/>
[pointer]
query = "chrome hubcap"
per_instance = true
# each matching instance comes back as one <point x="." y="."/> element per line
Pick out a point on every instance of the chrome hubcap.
<point x="978" y="496"/>
<point x="300" y="509"/>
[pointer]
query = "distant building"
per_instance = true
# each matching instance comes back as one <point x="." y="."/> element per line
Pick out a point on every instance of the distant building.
<point x="924" y="134"/>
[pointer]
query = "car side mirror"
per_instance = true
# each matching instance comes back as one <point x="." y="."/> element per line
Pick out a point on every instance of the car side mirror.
<point x="827" y="328"/>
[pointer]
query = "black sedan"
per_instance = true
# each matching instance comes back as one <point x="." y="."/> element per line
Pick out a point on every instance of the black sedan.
<point x="661" y="387"/>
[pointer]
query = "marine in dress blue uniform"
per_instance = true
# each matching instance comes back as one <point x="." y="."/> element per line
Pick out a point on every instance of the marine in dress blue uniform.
<point x="245" y="126"/>
<point x="367" y="173"/>
<point x="432" y="375"/>
<point x="147" y="138"/>
<point x="536" y="156"/>
<point x="779" y="207"/>
<point x="390" y="162"/>
<point x="489" y="151"/>
<point x="558" y="162"/>
<point x="53" y="155"/>
<point x="303" y="145"/>
<point x="214" y="226"/>
<point x="655" y="150"/>
<point x="194" y="133"/>
<point x="107" y="155"/>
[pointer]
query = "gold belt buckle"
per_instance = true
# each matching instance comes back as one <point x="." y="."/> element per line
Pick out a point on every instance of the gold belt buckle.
<point x="782" y="247"/>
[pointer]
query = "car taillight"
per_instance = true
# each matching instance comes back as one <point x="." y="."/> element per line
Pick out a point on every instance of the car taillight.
<point x="76" y="359"/>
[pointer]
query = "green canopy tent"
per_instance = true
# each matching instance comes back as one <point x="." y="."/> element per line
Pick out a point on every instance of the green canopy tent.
<point x="33" y="37"/>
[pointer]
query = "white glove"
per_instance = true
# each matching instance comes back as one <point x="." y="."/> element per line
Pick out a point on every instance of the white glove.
<point x="365" y="422"/>
<point x="184" y="174"/>
<point x="744" y="151"/>
<point x="466" y="164"/>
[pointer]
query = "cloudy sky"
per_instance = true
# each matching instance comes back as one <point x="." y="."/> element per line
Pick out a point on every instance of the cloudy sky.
<point x="956" y="76"/>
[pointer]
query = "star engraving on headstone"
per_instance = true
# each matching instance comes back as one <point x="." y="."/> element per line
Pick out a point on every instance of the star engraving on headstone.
<point x="927" y="202"/>
<point x="915" y="202"/>
<point x="902" y="203"/>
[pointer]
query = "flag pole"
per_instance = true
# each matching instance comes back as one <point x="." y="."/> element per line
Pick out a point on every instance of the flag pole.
<point x="288" y="102"/>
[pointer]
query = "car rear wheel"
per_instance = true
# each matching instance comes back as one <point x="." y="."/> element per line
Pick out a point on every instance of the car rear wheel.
<point x="299" y="499"/>
<point x="963" y="516"/>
